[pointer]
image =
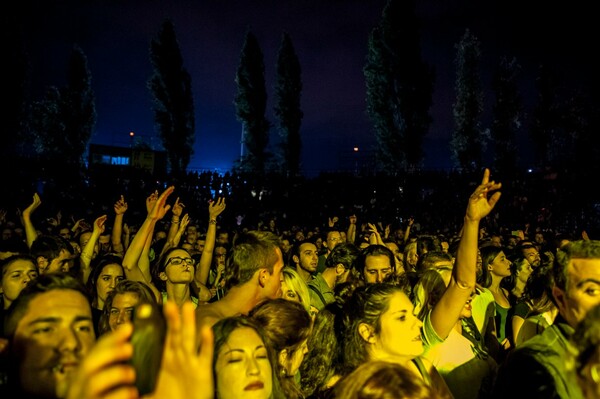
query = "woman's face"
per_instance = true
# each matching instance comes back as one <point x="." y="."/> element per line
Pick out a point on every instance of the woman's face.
<point x="400" y="335"/>
<point x="243" y="369"/>
<point x="122" y="308"/>
<point x="107" y="280"/>
<point x="288" y="293"/>
<point x="524" y="271"/>
<point x="500" y="266"/>
<point x="182" y="273"/>
<point x="293" y="362"/>
<point x="15" y="278"/>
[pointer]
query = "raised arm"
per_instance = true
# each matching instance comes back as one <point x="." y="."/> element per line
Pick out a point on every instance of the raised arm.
<point x="215" y="208"/>
<point x="447" y="311"/>
<point x="116" y="237"/>
<point x="30" y="231"/>
<point x="411" y="220"/>
<point x="176" y="212"/>
<point x="87" y="252"/>
<point x="157" y="208"/>
<point x="351" y="232"/>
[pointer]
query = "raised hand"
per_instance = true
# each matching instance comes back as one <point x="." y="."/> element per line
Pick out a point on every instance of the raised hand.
<point x="100" y="224"/>
<point x="177" y="209"/>
<point x="105" y="373"/>
<point x="37" y="201"/>
<point x="185" y="372"/>
<point x="480" y="202"/>
<point x="151" y="200"/>
<point x="215" y="208"/>
<point x="159" y="203"/>
<point x="120" y="206"/>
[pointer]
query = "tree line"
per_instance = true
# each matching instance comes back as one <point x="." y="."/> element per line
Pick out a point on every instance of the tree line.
<point x="56" y="129"/>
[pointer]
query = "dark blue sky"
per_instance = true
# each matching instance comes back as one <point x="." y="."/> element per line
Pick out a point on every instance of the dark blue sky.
<point x="330" y="38"/>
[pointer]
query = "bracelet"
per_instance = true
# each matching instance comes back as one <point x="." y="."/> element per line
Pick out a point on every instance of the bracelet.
<point x="212" y="221"/>
<point x="175" y="221"/>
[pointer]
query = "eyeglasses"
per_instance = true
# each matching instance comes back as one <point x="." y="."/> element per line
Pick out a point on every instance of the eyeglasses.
<point x="178" y="261"/>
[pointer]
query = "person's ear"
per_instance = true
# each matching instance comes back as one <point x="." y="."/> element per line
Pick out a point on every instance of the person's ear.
<point x="339" y="269"/>
<point x="295" y="259"/>
<point x="560" y="297"/>
<point x="263" y="277"/>
<point x="163" y="276"/>
<point x="366" y="333"/>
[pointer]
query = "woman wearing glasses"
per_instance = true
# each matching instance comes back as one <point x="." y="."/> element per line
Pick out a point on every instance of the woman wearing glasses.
<point x="173" y="276"/>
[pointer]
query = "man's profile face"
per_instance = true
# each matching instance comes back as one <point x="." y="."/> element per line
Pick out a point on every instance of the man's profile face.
<point x="276" y="277"/>
<point x="58" y="264"/>
<point x="308" y="258"/>
<point x="583" y="290"/>
<point x="51" y="340"/>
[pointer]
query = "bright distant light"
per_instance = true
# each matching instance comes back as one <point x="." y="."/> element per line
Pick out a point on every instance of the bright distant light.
<point x="131" y="134"/>
<point x="355" y="149"/>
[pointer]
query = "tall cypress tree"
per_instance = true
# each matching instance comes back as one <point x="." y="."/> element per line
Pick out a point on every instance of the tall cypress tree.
<point x="287" y="109"/>
<point x="251" y="103"/>
<point x="399" y="88"/>
<point x="171" y="86"/>
<point x="79" y="107"/>
<point x="468" y="139"/>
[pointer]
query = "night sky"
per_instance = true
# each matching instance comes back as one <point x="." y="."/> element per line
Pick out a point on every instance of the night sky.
<point x="330" y="38"/>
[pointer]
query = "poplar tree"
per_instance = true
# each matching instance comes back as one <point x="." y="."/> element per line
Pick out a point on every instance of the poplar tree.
<point x="250" y="103"/>
<point x="171" y="86"/>
<point x="287" y="108"/>
<point x="468" y="139"/>
<point x="399" y="88"/>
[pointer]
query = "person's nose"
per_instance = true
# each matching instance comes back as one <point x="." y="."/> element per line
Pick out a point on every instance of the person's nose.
<point x="68" y="340"/>
<point x="253" y="368"/>
<point x="122" y="318"/>
<point x="380" y="277"/>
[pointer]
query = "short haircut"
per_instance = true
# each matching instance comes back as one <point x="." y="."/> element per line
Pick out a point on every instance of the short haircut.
<point x="347" y="254"/>
<point x="39" y="285"/>
<point x="250" y="252"/>
<point x="49" y="246"/>
<point x="376" y="250"/>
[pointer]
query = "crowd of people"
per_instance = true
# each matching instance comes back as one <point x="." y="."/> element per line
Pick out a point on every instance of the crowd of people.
<point x="171" y="303"/>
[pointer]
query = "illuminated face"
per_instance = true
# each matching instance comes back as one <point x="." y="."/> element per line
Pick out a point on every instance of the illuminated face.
<point x="182" y="273"/>
<point x="122" y="309"/>
<point x="500" y="266"/>
<point x="524" y="271"/>
<point x="533" y="256"/>
<point x="54" y="335"/>
<point x="582" y="292"/>
<point x="377" y="268"/>
<point x="200" y="245"/>
<point x="243" y="369"/>
<point x="110" y="275"/>
<point x="15" y="278"/>
<point x="58" y="264"/>
<point x="308" y="259"/>
<point x="333" y="239"/>
<point x="288" y="293"/>
<point x="400" y="335"/>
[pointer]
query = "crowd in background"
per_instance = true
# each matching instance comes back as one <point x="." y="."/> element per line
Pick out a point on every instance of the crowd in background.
<point x="420" y="286"/>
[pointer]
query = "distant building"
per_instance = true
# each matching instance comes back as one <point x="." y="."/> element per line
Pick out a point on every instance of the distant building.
<point x="124" y="158"/>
